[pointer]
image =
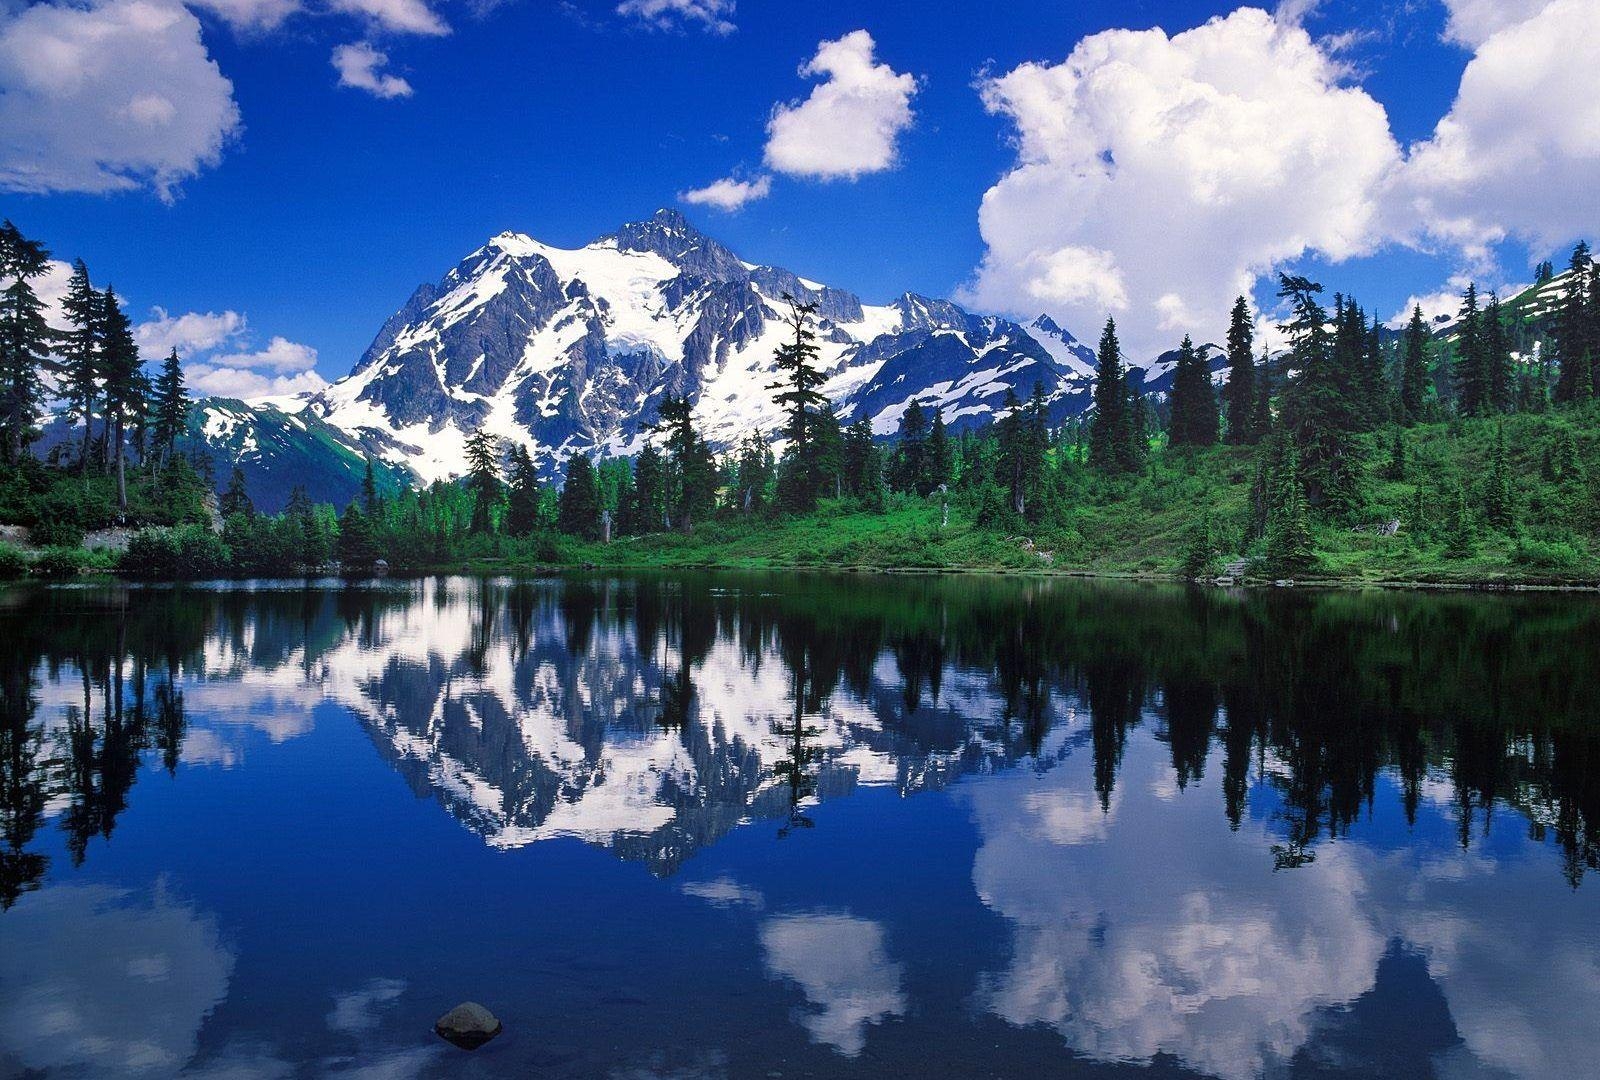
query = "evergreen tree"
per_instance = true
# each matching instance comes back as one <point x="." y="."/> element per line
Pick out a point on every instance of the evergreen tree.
<point x="578" y="511"/>
<point x="755" y="471"/>
<point x="1472" y="361"/>
<point x="1396" y="468"/>
<point x="1261" y="415"/>
<point x="827" y="451"/>
<point x="940" y="455"/>
<point x="1113" y="441"/>
<point x="1318" y="410"/>
<point x="1416" y="519"/>
<point x="798" y="395"/>
<point x="647" y="510"/>
<point x="1289" y="547"/>
<point x="170" y="409"/>
<point x="859" y="454"/>
<point x="80" y="354"/>
<point x="25" y="340"/>
<point x="1573" y="321"/>
<point x="1199" y="547"/>
<point x="910" y="470"/>
<point x="1376" y="403"/>
<point x="369" y="490"/>
<point x="522" y="496"/>
<point x="1194" y="404"/>
<point x="692" y="479"/>
<point x="236" y="500"/>
<point x="483" y="479"/>
<point x="1498" y="506"/>
<point x="126" y="388"/>
<point x="1499" y="372"/>
<point x="358" y="547"/>
<point x="1414" y="369"/>
<point x="1460" y="533"/>
<point x="1239" y="395"/>
<point x="1023" y="438"/>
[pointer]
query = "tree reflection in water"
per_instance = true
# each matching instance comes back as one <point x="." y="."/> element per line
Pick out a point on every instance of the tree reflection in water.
<point x="654" y="714"/>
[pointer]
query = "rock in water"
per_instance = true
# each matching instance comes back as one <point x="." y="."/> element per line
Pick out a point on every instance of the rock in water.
<point x="468" y="1025"/>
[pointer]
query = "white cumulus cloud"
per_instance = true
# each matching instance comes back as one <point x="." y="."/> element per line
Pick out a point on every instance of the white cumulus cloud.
<point x="250" y="16"/>
<point x="1519" y="152"/>
<point x="712" y="16"/>
<point x="841" y="962"/>
<point x="189" y="333"/>
<point x="209" y="380"/>
<point x="850" y="123"/>
<point x="1158" y="176"/>
<point x="281" y="354"/>
<point x="359" y="66"/>
<point x="112" y="96"/>
<point x="729" y="194"/>
<point x="1472" y="22"/>
<point x="396" y="16"/>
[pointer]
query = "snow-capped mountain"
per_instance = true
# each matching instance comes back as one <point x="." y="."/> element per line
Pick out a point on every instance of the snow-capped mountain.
<point x="572" y="350"/>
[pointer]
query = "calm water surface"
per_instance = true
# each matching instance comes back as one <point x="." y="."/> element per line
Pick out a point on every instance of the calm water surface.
<point x="741" y="826"/>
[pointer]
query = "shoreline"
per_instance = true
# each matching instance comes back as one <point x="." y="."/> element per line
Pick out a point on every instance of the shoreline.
<point x="1532" y="585"/>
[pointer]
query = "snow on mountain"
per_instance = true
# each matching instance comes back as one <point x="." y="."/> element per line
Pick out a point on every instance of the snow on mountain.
<point x="573" y="350"/>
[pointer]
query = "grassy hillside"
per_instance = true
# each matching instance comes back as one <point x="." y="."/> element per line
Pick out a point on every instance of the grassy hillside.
<point x="1142" y="525"/>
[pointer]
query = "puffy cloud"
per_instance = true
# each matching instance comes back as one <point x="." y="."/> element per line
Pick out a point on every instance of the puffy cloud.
<point x="189" y="333"/>
<point x="850" y="123"/>
<point x="250" y="15"/>
<point x="1519" y="152"/>
<point x="358" y="66"/>
<point x="281" y="354"/>
<point x="121" y="983"/>
<point x="284" y="367"/>
<point x="843" y="968"/>
<point x="1472" y="22"/>
<point x="210" y="380"/>
<point x="1158" y="176"/>
<point x="1168" y="945"/>
<point x="108" y="97"/>
<point x="729" y="194"/>
<point x="397" y="16"/>
<point x="358" y="1010"/>
<point x="712" y="16"/>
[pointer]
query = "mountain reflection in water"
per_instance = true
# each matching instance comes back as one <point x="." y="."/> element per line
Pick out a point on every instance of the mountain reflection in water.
<point x="1230" y="833"/>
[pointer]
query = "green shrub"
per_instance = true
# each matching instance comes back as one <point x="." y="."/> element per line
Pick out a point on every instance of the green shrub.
<point x="13" y="563"/>
<point x="59" y="562"/>
<point x="1548" y="554"/>
<point x="57" y="533"/>
<point x="182" y="551"/>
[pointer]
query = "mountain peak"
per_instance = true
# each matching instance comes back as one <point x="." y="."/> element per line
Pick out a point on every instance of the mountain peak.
<point x="669" y="234"/>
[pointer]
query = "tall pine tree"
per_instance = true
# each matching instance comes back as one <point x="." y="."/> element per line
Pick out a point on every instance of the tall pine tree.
<point x="1113" y="440"/>
<point x="170" y="409"/>
<point x="1239" y="395"/>
<point x="1575" y="381"/>
<point x="800" y="473"/>
<point x="578" y="511"/>
<point x="124" y="383"/>
<point x="483" y="479"/>
<point x="25" y="340"/>
<point x="1414" y="369"/>
<point x="80" y="354"/>
<point x="1318" y="410"/>
<point x="1194" y="404"/>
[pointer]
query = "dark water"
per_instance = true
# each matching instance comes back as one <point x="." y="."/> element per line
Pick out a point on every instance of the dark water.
<point x="793" y="826"/>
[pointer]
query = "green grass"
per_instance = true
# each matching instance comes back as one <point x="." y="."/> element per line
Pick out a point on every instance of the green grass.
<point x="1139" y="525"/>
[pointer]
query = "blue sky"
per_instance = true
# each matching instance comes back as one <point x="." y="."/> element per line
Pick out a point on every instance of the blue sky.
<point x="312" y="215"/>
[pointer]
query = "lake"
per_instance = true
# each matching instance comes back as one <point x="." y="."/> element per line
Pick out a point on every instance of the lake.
<point x="798" y="825"/>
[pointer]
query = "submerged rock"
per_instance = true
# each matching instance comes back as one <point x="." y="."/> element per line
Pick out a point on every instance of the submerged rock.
<point x="468" y="1025"/>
